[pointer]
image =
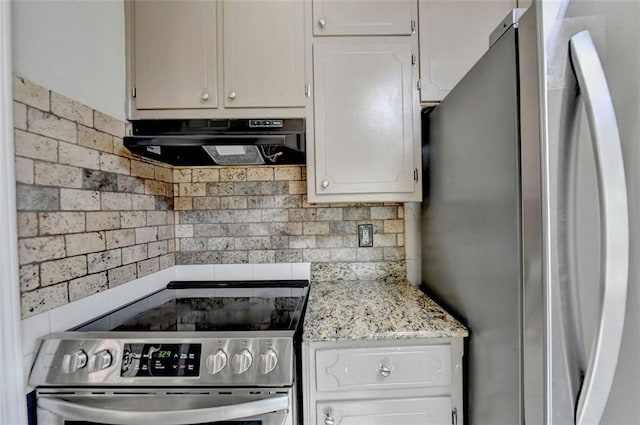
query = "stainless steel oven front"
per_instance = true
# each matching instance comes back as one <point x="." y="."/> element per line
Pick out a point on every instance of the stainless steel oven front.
<point x="195" y="353"/>
<point x="166" y="406"/>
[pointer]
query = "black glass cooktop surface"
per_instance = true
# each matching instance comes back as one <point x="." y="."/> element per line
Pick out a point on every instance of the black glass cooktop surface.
<point x="210" y="307"/>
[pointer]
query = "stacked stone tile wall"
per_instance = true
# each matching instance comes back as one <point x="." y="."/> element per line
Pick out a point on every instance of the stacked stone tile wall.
<point x="90" y="217"/>
<point x="261" y="215"/>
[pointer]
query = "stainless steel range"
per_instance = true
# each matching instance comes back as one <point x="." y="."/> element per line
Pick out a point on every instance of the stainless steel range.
<point x="194" y="353"/>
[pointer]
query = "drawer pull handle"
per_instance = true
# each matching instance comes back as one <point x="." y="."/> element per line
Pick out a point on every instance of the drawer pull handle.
<point x="328" y="420"/>
<point x="384" y="370"/>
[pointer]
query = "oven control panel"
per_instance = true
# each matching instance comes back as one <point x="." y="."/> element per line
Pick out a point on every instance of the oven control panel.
<point x="145" y="360"/>
<point x="136" y="360"/>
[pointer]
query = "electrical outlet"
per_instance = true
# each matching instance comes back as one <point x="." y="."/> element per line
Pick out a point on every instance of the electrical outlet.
<point x="365" y="235"/>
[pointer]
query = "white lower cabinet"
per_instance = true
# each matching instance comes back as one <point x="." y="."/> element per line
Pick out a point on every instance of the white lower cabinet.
<point x="410" y="411"/>
<point x="383" y="382"/>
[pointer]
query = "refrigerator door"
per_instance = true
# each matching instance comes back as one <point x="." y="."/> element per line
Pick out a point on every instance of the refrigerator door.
<point x="592" y="339"/>
<point x="471" y="240"/>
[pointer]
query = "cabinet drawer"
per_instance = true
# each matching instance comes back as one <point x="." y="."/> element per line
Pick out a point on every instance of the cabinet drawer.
<point x="411" y="411"/>
<point x="405" y="367"/>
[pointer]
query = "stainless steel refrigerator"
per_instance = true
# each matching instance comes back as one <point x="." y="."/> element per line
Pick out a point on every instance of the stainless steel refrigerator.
<point x="531" y="222"/>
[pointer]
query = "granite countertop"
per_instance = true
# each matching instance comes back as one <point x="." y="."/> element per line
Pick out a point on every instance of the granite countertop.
<point x="373" y="310"/>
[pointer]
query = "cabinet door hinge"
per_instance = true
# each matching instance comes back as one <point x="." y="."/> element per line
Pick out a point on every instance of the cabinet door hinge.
<point x="419" y="85"/>
<point x="454" y="416"/>
<point x="413" y="59"/>
<point x="413" y="26"/>
<point x="415" y="174"/>
<point x="307" y="90"/>
<point x="133" y="92"/>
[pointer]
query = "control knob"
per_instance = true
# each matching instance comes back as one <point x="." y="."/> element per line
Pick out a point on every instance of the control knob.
<point x="74" y="361"/>
<point x="242" y="361"/>
<point x="216" y="362"/>
<point x="101" y="360"/>
<point x="268" y="361"/>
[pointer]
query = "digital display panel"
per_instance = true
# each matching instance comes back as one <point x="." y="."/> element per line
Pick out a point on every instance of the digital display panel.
<point x="147" y="360"/>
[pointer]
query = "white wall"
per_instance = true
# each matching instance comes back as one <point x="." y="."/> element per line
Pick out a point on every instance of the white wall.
<point x="75" y="48"/>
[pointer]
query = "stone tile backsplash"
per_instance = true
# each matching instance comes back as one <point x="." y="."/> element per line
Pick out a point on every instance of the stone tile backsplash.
<point x="261" y="215"/>
<point x="91" y="216"/>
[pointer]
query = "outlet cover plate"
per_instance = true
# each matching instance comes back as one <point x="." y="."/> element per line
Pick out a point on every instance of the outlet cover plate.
<point x="365" y="235"/>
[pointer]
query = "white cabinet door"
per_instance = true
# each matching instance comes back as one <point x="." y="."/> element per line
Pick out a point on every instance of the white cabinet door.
<point x="362" y="17"/>
<point x="408" y="411"/>
<point x="364" y="117"/>
<point x="453" y="36"/>
<point x="263" y="53"/>
<point x="175" y="54"/>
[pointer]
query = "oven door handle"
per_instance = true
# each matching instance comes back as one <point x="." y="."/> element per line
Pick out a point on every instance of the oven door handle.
<point x="75" y="411"/>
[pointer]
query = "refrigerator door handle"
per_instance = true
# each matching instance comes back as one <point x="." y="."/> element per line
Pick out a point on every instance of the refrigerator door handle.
<point x="607" y="148"/>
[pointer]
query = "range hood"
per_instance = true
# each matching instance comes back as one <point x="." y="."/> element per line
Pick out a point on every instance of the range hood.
<point x="219" y="141"/>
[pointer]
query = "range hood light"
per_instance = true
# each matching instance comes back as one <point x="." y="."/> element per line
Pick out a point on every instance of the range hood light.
<point x="234" y="154"/>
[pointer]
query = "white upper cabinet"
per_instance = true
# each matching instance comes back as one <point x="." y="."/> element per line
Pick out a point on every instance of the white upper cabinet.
<point x="217" y="58"/>
<point x="263" y="54"/>
<point x="453" y="36"/>
<point x="364" y="119"/>
<point x="362" y="17"/>
<point x="175" y="54"/>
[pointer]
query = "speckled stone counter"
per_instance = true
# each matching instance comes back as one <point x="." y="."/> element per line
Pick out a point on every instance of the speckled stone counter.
<point x="371" y="310"/>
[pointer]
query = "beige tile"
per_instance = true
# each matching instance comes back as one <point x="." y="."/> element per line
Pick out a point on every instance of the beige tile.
<point x="60" y="270"/>
<point x="182" y="175"/>
<point x="55" y="223"/>
<point x="143" y="202"/>
<point x="119" y="149"/>
<point x="315" y="228"/>
<point x="120" y="238"/>
<point x="67" y="108"/>
<point x="104" y="260"/>
<point x="193" y="189"/>
<point x="32" y="250"/>
<point x="297" y="187"/>
<point x="27" y="224"/>
<point x="33" y="146"/>
<point x="260" y="174"/>
<point x="79" y="156"/>
<point x="183" y="203"/>
<point x="156" y="218"/>
<point x="146" y="234"/>
<point x="49" y="125"/>
<point x="84" y="243"/>
<point x="48" y="174"/>
<point x="115" y="201"/>
<point x="44" y="299"/>
<point x="142" y="169"/>
<point x="31" y="94"/>
<point x="94" y="139"/>
<point x="288" y="173"/>
<point x="153" y="187"/>
<point x="164" y="174"/>
<point x="79" y="200"/>
<point x="114" y="163"/>
<point x="121" y="275"/>
<point x="130" y="219"/>
<point x="103" y="220"/>
<point x="156" y="249"/>
<point x="166" y="232"/>
<point x="108" y="124"/>
<point x="88" y="285"/>
<point x="24" y="171"/>
<point x="133" y="254"/>
<point x="394" y="226"/>
<point x="29" y="277"/>
<point x="19" y="115"/>
<point x="147" y="267"/>
<point x="233" y="174"/>
<point x="205" y="175"/>
<point x="184" y="230"/>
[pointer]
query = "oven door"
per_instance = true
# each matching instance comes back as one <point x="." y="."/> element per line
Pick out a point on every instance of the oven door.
<point x="176" y="406"/>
